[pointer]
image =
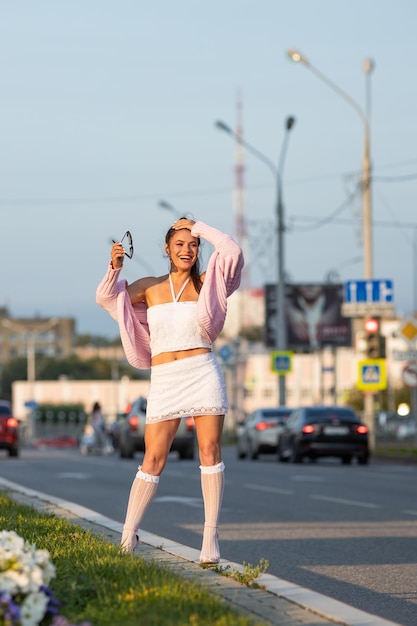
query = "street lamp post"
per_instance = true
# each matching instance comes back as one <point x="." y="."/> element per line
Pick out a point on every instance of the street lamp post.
<point x="32" y="332"/>
<point x="21" y="327"/>
<point x="414" y="272"/>
<point x="280" y="329"/>
<point x="368" y="67"/>
<point x="169" y="207"/>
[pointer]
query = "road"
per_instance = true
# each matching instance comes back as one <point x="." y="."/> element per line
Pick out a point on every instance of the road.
<point x="348" y="532"/>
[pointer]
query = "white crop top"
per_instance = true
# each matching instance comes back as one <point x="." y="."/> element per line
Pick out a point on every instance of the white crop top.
<point x="173" y="326"/>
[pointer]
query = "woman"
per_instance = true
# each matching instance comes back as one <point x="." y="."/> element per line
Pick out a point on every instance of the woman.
<point x="168" y="323"/>
<point x="98" y="424"/>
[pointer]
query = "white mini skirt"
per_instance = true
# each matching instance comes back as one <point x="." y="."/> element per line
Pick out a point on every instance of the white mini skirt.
<point x="191" y="386"/>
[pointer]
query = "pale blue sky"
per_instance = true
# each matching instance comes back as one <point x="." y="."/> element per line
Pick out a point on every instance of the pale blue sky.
<point x="108" y="107"/>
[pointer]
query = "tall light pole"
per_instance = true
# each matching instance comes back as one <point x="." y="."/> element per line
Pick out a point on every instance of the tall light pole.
<point x="368" y="67"/>
<point x="31" y="332"/>
<point x="414" y="272"/>
<point x="169" y="207"/>
<point x="280" y="329"/>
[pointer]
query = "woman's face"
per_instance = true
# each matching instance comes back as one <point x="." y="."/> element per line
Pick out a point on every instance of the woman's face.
<point x="311" y="292"/>
<point x="182" y="249"/>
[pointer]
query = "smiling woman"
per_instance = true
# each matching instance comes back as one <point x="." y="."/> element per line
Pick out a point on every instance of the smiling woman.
<point x="169" y="323"/>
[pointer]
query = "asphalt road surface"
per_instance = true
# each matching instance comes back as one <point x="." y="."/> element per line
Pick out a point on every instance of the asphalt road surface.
<point x="348" y="532"/>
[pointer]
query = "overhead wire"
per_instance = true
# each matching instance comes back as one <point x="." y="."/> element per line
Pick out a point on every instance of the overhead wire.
<point x="190" y="194"/>
<point x="331" y="217"/>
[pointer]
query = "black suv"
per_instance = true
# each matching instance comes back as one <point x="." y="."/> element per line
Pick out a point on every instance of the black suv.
<point x="317" y="431"/>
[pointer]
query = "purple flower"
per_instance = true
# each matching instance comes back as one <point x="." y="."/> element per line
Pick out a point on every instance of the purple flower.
<point x="60" y="620"/>
<point x="53" y="603"/>
<point x="9" y="610"/>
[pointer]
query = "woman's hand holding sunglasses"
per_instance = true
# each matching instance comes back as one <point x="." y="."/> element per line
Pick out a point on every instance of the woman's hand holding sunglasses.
<point x="117" y="255"/>
<point x="118" y="252"/>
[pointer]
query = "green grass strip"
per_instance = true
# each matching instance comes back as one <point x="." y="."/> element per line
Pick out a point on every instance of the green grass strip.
<point x="96" y="583"/>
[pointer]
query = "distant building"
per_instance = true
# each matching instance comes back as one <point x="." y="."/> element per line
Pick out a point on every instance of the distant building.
<point x="245" y="309"/>
<point x="109" y="353"/>
<point x="53" y="337"/>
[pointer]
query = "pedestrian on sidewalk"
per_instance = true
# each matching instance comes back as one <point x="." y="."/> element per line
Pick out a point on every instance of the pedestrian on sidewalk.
<point x="168" y="324"/>
<point x="96" y="420"/>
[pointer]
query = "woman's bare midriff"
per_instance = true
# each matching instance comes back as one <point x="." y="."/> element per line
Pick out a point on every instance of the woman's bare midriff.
<point x="168" y="357"/>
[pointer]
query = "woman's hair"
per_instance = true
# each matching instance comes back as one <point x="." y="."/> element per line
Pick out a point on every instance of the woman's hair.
<point x="96" y="407"/>
<point x="195" y="270"/>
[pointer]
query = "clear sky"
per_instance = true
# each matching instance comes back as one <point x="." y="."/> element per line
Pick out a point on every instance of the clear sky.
<point x="108" y="107"/>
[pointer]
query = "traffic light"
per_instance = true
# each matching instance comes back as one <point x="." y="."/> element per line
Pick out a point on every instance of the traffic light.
<point x="375" y="342"/>
<point x="372" y="345"/>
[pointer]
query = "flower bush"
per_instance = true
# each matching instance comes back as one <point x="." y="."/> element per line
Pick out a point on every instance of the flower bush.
<point x="25" y="573"/>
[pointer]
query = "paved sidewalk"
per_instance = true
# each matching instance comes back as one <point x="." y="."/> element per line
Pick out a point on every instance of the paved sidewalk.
<point x="279" y="603"/>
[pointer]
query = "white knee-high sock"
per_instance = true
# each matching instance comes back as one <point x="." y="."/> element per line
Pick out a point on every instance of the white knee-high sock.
<point x="212" y="487"/>
<point x="142" y="492"/>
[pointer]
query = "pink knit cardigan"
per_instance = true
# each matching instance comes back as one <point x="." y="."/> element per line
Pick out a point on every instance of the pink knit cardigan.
<point x="222" y="279"/>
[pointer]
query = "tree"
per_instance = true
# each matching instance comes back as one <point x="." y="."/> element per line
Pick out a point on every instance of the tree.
<point x="98" y="341"/>
<point x="254" y="334"/>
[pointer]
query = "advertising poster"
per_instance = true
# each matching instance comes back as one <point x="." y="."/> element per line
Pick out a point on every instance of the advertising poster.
<point x="313" y="317"/>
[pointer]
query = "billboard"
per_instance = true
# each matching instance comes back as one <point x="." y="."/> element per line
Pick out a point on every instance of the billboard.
<point x="313" y="316"/>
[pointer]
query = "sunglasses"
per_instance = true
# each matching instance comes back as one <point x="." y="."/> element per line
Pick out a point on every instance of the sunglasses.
<point x="129" y="240"/>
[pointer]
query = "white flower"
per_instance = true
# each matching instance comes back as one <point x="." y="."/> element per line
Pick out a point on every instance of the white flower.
<point x="33" y="609"/>
<point x="23" y="571"/>
<point x="11" y="541"/>
<point x="14" y="582"/>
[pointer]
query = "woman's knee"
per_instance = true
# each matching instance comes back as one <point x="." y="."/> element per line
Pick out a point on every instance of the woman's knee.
<point x="210" y="453"/>
<point x="154" y="463"/>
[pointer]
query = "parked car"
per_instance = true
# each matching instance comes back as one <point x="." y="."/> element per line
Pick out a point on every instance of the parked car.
<point x="132" y="429"/>
<point x="9" y="430"/>
<point x="259" y="432"/>
<point x="318" y="431"/>
<point x="113" y="428"/>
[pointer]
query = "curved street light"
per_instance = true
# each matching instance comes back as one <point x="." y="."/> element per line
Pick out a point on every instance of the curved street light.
<point x="169" y="207"/>
<point x="281" y="331"/>
<point x="368" y="67"/>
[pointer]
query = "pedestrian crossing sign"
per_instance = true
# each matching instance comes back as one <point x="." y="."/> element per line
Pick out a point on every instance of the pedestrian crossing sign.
<point x="281" y="362"/>
<point x="372" y="375"/>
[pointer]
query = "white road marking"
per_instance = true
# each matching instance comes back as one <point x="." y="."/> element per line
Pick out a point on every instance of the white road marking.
<point x="308" y="479"/>
<point x="193" y="502"/>
<point x="284" y="492"/>
<point x="77" y="475"/>
<point x="366" y="505"/>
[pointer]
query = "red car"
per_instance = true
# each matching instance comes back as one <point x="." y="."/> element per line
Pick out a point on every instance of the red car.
<point x="9" y="430"/>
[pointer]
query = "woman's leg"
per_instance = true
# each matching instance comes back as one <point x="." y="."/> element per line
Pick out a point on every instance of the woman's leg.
<point x="158" y="441"/>
<point x="209" y="433"/>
